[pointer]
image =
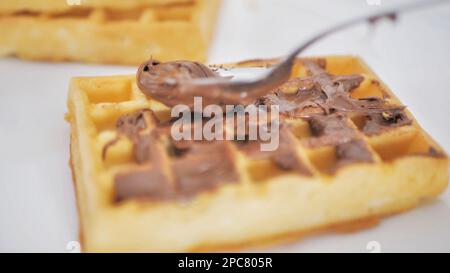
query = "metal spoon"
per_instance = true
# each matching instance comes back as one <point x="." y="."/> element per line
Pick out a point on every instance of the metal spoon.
<point x="223" y="90"/>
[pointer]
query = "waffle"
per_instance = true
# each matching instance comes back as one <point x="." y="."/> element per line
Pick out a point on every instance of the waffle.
<point x="107" y="31"/>
<point x="313" y="182"/>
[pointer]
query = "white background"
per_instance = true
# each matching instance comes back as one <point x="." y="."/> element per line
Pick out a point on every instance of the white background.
<point x="37" y="204"/>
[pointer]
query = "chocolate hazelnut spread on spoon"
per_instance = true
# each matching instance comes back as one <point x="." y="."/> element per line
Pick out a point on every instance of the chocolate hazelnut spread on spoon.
<point x="178" y="82"/>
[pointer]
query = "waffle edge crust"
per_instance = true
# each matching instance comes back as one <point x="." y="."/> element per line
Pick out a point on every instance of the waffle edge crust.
<point x="265" y="205"/>
<point x="107" y="31"/>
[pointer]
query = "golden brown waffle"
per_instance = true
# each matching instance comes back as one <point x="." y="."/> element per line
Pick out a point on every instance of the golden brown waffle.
<point x="107" y="31"/>
<point x="311" y="184"/>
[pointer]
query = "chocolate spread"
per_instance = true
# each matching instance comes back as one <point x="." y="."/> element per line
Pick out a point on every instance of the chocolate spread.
<point x="285" y="156"/>
<point x="322" y="99"/>
<point x="203" y="167"/>
<point x="178" y="82"/>
<point x="195" y="167"/>
<point x="169" y="169"/>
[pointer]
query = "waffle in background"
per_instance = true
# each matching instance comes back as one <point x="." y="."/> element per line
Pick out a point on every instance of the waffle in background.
<point x="265" y="203"/>
<point x="107" y="31"/>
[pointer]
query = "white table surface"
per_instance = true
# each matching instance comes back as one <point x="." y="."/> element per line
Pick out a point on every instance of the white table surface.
<point x="37" y="203"/>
